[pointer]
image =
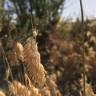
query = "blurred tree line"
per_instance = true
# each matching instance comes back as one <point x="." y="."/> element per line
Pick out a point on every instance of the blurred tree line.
<point x="41" y="14"/>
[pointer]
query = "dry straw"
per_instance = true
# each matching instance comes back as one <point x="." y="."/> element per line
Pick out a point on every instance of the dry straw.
<point x="32" y="62"/>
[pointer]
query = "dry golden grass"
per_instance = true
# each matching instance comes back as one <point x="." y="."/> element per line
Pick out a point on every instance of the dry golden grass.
<point x="15" y="53"/>
<point x="31" y="56"/>
<point x="19" y="89"/>
<point x="18" y="47"/>
<point x="16" y="88"/>
<point x="89" y="91"/>
<point x="32" y="62"/>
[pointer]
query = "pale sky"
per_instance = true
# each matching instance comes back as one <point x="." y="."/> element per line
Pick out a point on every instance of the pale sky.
<point x="72" y="9"/>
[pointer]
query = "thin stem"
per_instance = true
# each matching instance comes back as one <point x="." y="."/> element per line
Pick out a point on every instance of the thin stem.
<point x="6" y="63"/>
<point x="84" y="73"/>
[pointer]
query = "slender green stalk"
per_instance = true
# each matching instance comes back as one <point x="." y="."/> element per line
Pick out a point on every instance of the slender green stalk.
<point x="84" y="73"/>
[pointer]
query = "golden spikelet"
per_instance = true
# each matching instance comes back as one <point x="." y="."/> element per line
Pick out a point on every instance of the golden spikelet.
<point x="19" y="89"/>
<point x="15" y="88"/>
<point x="32" y="62"/>
<point x="18" y="48"/>
<point x="2" y="93"/>
<point x="15" y="53"/>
